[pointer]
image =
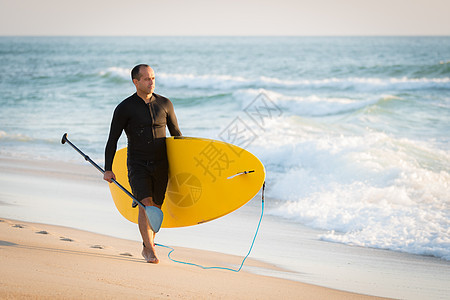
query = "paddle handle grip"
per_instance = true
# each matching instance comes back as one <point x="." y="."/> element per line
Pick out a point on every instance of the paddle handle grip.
<point x="65" y="139"/>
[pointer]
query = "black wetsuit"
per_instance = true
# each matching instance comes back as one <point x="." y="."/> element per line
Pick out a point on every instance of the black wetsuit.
<point x="145" y="127"/>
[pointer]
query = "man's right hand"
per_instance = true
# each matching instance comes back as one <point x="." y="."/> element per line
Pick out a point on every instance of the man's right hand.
<point x="109" y="176"/>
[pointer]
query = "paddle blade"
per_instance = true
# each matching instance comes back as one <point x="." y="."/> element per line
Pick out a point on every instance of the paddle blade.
<point x="155" y="217"/>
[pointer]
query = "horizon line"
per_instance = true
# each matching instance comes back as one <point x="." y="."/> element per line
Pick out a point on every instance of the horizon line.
<point x="230" y="35"/>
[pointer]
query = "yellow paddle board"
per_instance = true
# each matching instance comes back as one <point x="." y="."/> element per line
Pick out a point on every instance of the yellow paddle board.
<point x="207" y="180"/>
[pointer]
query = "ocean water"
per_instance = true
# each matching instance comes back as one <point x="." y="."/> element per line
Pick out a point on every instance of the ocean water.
<point x="353" y="131"/>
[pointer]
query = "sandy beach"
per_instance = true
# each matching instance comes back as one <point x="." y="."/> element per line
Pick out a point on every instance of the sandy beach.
<point x="45" y="261"/>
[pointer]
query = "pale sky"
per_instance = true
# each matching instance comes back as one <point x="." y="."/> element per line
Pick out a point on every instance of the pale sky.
<point x="224" y="17"/>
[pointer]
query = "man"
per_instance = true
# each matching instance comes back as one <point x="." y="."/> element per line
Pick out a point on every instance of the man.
<point x="144" y="117"/>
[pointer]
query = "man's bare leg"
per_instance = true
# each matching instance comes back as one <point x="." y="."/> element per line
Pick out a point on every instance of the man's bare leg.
<point x="148" y="236"/>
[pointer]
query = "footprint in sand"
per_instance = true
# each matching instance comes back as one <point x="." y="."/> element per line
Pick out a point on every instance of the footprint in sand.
<point x="42" y="232"/>
<point x="18" y="226"/>
<point x="126" y="254"/>
<point x="65" y="239"/>
<point x="97" y="247"/>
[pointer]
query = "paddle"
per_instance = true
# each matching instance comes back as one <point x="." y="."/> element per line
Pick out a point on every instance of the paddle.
<point x="154" y="214"/>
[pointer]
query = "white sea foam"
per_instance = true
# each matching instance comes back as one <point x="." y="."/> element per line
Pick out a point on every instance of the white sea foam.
<point x="363" y="84"/>
<point x="312" y="105"/>
<point x="122" y="73"/>
<point x="224" y="82"/>
<point x="202" y="81"/>
<point x="371" y="190"/>
<point x="14" y="137"/>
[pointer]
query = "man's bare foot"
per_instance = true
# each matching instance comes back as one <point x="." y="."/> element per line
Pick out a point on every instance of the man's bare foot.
<point x="149" y="254"/>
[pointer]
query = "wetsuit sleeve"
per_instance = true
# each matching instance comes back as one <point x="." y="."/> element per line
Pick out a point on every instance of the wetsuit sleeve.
<point x="172" y="122"/>
<point x="118" y="123"/>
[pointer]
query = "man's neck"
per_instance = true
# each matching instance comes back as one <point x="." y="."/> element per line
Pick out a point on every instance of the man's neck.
<point x="145" y="97"/>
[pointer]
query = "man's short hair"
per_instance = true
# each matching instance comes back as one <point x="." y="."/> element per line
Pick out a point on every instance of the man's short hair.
<point x="135" y="73"/>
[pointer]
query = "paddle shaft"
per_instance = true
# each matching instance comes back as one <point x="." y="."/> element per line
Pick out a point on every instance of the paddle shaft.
<point x="65" y="139"/>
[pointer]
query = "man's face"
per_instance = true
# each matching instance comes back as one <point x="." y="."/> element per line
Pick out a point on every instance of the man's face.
<point x="146" y="82"/>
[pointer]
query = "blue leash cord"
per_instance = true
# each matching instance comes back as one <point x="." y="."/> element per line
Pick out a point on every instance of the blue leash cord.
<point x="222" y="268"/>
